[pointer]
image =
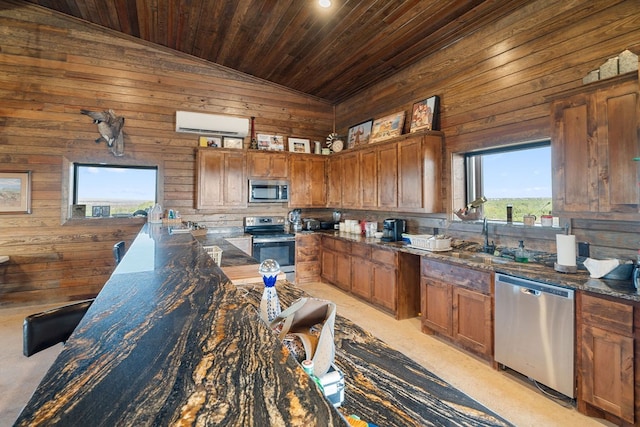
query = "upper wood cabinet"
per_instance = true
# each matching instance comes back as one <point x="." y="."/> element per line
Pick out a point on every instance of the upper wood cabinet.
<point x="403" y="174"/>
<point x="221" y="179"/>
<point x="595" y="136"/>
<point x="267" y="164"/>
<point x="307" y="181"/>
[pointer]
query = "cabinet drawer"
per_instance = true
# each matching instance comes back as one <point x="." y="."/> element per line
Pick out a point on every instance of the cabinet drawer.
<point x="610" y="315"/>
<point x="361" y="251"/>
<point x="384" y="256"/>
<point x="456" y="275"/>
<point x="342" y="246"/>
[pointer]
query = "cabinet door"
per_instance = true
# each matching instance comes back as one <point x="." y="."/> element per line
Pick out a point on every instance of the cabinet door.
<point x="608" y="371"/>
<point x="472" y="325"/>
<point x="368" y="178"/>
<point x="387" y="176"/>
<point x="318" y="181"/>
<point x="335" y="182"/>
<point x="384" y="286"/>
<point x="410" y="174"/>
<point x="328" y="265"/>
<point x="436" y="298"/>
<point x="618" y="131"/>
<point x="574" y="150"/>
<point x="235" y="182"/>
<point x="220" y="179"/>
<point x="307" y="182"/>
<point x="343" y="271"/>
<point x="267" y="165"/>
<point x="361" y="277"/>
<point x="350" y="180"/>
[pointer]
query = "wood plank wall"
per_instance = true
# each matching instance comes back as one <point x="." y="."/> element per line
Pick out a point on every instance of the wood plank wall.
<point x="493" y="88"/>
<point x="52" y="66"/>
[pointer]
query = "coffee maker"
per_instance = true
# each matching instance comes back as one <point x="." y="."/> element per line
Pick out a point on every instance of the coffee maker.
<point x="392" y="229"/>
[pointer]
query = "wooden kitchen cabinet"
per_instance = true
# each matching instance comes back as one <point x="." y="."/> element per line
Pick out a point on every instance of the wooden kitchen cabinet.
<point x="380" y="276"/>
<point x="267" y="164"/>
<point x="351" y="184"/>
<point x="307" y="181"/>
<point x="368" y="178"/>
<point x="336" y="262"/>
<point x="456" y="303"/>
<point x="419" y="171"/>
<point x="221" y="179"/>
<point x="606" y="359"/>
<point x="387" y="176"/>
<point x="308" y="257"/>
<point x="594" y="139"/>
<point x="335" y="182"/>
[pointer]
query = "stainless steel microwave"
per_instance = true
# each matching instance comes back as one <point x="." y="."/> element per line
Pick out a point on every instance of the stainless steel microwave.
<point x="268" y="191"/>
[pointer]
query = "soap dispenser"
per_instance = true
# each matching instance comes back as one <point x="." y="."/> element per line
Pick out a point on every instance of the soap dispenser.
<point x="521" y="254"/>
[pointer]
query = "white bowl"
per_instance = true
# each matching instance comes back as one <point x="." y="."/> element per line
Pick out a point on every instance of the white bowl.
<point x="377" y="234"/>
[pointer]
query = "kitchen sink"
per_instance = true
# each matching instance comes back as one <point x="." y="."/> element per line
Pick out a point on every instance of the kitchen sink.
<point x="480" y="257"/>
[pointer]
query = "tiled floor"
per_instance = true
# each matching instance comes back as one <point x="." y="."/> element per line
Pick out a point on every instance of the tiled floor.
<point x="504" y="393"/>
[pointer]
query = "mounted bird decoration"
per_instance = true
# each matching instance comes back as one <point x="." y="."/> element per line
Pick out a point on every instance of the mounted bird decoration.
<point x="110" y="128"/>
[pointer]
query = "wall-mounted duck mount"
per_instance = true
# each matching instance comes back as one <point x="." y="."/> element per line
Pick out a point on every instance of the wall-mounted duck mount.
<point x="110" y="128"/>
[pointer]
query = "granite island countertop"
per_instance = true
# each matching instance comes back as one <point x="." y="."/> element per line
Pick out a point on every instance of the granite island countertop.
<point x="580" y="280"/>
<point x="171" y="341"/>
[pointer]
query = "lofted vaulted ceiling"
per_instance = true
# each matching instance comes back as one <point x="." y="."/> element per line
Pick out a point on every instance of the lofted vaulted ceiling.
<point x="329" y="53"/>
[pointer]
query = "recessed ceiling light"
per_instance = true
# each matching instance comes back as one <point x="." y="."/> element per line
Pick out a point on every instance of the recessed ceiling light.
<point x="324" y="3"/>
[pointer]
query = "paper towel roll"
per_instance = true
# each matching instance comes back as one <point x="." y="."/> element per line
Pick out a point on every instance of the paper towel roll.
<point x="566" y="248"/>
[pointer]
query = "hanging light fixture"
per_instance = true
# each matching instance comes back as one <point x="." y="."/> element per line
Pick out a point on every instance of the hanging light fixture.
<point x="324" y="3"/>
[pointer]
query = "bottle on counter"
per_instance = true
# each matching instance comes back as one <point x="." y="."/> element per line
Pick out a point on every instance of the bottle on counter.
<point x="521" y="253"/>
<point x="307" y="365"/>
<point x="155" y="216"/>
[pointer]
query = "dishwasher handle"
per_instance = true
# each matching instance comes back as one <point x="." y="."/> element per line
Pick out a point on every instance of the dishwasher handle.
<point x="528" y="291"/>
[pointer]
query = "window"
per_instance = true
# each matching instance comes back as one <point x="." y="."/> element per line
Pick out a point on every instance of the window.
<point x="114" y="190"/>
<point x="518" y="175"/>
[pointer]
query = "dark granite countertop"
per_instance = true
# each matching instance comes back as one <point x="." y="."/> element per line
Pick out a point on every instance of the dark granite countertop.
<point x="171" y="341"/>
<point x="541" y="272"/>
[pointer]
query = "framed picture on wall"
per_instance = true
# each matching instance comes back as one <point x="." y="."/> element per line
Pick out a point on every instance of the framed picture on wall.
<point x="270" y="142"/>
<point x="15" y="192"/>
<point x="387" y="127"/>
<point x="299" y="145"/>
<point x="211" y="141"/>
<point x="359" y="134"/>
<point x="425" y="115"/>
<point x="232" y="142"/>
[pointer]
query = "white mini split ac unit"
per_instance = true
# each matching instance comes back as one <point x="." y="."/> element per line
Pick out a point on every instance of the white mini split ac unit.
<point x="211" y="124"/>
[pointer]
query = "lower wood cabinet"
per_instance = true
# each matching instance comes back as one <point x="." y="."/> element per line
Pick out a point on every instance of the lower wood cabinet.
<point x="383" y="277"/>
<point x="606" y="359"/>
<point x="456" y="303"/>
<point x="307" y="258"/>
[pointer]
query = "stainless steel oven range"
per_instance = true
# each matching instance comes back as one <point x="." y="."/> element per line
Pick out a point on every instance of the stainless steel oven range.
<point x="271" y="242"/>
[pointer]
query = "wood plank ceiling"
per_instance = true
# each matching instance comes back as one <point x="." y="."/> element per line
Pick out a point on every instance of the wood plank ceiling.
<point x="329" y="53"/>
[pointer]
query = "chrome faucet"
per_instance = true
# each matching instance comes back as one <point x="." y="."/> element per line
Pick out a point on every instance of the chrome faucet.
<point x="487" y="248"/>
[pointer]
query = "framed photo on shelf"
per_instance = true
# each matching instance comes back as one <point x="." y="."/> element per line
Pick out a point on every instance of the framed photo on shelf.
<point x="387" y="127"/>
<point x="232" y="142"/>
<point x="299" y="145"/>
<point x="270" y="142"/>
<point x="359" y="134"/>
<point x="15" y="192"/>
<point x="425" y="115"/>
<point x="211" y="141"/>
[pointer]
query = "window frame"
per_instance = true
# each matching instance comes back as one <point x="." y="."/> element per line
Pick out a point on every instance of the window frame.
<point x="472" y="162"/>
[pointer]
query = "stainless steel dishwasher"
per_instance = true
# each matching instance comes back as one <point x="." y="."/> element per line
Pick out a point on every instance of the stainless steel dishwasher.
<point x="534" y="331"/>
